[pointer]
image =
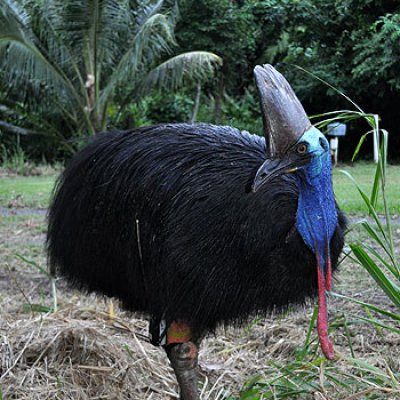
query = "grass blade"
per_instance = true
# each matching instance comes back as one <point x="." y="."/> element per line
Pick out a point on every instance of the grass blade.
<point x="388" y="286"/>
<point x="392" y="268"/>
<point x="394" y="316"/>
<point x="371" y="209"/>
<point x="33" y="264"/>
<point x="375" y="187"/>
<point x="360" y="143"/>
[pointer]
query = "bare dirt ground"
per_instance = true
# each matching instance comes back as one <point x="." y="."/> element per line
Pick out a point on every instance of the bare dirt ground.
<point x="82" y="351"/>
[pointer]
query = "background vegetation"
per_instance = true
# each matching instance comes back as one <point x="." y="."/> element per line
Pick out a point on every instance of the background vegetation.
<point x="71" y="68"/>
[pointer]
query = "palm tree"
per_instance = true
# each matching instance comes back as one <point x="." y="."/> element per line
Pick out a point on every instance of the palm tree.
<point x="63" y="63"/>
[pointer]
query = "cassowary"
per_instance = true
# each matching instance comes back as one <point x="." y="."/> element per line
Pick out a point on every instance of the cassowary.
<point x="201" y="225"/>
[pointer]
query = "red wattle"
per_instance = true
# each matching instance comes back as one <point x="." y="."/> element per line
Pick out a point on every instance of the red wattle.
<point x="328" y="283"/>
<point x="322" y="319"/>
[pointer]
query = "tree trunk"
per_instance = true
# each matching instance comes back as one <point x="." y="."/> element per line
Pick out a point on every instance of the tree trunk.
<point x="196" y="103"/>
<point x="90" y="108"/>
<point x="218" y="100"/>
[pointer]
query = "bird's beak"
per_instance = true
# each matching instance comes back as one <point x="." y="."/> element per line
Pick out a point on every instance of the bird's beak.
<point x="273" y="168"/>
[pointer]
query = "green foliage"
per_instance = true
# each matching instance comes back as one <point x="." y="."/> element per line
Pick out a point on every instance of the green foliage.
<point x="379" y="259"/>
<point x="352" y="44"/>
<point x="243" y="113"/>
<point x="62" y="63"/>
<point x="341" y="39"/>
<point x="50" y="50"/>
<point x="13" y="159"/>
<point x="169" y="108"/>
<point x="239" y="112"/>
<point x="224" y="27"/>
<point x="304" y="379"/>
<point x="378" y="52"/>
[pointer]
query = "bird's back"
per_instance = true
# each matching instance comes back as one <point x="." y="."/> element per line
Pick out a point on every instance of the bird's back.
<point x="164" y="219"/>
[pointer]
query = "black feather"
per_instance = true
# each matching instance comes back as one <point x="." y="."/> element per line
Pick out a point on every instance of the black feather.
<point x="163" y="219"/>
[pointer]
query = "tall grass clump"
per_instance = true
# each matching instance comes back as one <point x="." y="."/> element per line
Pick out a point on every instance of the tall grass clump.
<point x="377" y="255"/>
<point x="13" y="160"/>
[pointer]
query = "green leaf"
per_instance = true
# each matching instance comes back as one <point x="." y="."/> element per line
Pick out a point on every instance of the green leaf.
<point x="309" y="332"/>
<point x="36" y="308"/>
<point x="373" y="234"/>
<point x="360" y="143"/>
<point x="367" y="202"/>
<point x="375" y="186"/>
<point x="394" y="316"/>
<point x="391" y="267"/>
<point x="171" y="73"/>
<point x="34" y="265"/>
<point x="366" y="366"/>
<point x="388" y="286"/>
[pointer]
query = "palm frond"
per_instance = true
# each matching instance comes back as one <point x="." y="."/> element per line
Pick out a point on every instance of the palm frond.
<point x="151" y="41"/>
<point x="148" y="11"/>
<point x="191" y="66"/>
<point x="56" y="45"/>
<point x="109" y="35"/>
<point x="23" y="63"/>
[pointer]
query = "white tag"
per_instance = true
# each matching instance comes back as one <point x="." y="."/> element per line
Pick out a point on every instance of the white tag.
<point x="163" y="332"/>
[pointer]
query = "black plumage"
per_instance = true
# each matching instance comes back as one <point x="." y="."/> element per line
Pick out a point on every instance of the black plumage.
<point x="164" y="219"/>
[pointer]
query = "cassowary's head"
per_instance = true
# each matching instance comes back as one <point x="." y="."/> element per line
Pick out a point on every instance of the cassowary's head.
<point x="308" y="155"/>
<point x="294" y="146"/>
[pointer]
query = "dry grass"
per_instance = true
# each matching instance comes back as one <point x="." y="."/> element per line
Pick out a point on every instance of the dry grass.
<point x="80" y="352"/>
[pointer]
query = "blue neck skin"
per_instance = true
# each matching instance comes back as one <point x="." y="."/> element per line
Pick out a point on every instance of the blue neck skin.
<point x="316" y="213"/>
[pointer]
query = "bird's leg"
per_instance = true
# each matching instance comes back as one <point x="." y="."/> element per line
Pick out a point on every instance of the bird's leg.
<point x="183" y="357"/>
<point x="183" y="354"/>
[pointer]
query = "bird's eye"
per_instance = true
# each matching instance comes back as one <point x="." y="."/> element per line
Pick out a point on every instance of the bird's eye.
<point x="301" y="148"/>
